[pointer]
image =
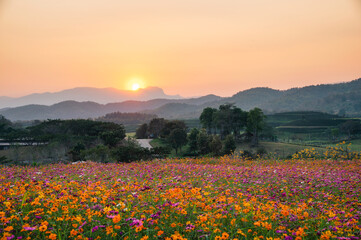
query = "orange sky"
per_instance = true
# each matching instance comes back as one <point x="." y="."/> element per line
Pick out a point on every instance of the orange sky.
<point x="186" y="47"/>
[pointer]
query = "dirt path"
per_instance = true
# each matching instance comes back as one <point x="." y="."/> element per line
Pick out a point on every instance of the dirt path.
<point x="145" y="143"/>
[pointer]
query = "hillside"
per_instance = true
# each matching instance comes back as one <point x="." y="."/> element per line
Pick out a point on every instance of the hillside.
<point x="342" y="98"/>
<point x="84" y="94"/>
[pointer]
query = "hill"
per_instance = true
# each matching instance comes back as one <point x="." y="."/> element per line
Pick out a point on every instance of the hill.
<point x="342" y="98"/>
<point x="84" y="94"/>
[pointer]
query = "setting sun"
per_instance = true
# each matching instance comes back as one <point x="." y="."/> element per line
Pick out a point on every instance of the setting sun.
<point x="135" y="86"/>
<point x="135" y="83"/>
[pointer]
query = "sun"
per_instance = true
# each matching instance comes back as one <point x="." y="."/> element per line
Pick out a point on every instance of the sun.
<point x="135" y="86"/>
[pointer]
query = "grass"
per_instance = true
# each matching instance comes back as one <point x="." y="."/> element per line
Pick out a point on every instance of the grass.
<point x="282" y="150"/>
<point x="130" y="134"/>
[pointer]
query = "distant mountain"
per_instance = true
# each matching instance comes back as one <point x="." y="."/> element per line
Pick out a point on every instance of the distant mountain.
<point x="330" y="98"/>
<point x="99" y="95"/>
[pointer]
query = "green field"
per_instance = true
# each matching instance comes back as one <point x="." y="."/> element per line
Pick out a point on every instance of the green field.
<point x="280" y="149"/>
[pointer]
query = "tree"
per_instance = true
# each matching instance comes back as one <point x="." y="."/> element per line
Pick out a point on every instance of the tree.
<point x="192" y="140"/>
<point x="112" y="138"/>
<point x="156" y="126"/>
<point x="142" y="131"/>
<point x="350" y="127"/>
<point x="75" y="153"/>
<point x="229" y="144"/>
<point x="216" y="145"/>
<point x="177" y="138"/>
<point x="239" y="120"/>
<point x="224" y="119"/>
<point x="255" y="124"/>
<point x="207" y="118"/>
<point x="203" y="142"/>
<point x="335" y="132"/>
<point x="172" y="125"/>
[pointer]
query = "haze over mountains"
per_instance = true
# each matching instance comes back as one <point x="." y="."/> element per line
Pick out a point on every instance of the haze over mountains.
<point x="331" y="98"/>
<point x="83" y="94"/>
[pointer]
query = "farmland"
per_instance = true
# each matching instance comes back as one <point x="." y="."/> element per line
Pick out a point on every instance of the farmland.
<point x="204" y="198"/>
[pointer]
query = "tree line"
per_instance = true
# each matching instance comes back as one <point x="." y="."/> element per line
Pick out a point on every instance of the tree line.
<point x="221" y="129"/>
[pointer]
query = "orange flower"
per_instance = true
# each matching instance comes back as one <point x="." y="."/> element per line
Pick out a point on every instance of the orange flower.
<point x="116" y="219"/>
<point x="52" y="236"/>
<point x="225" y="235"/>
<point x="8" y="229"/>
<point x="43" y="228"/>
<point x="160" y="233"/>
<point x="73" y="233"/>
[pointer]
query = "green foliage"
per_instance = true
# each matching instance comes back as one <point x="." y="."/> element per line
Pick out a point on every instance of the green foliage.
<point x="351" y="127"/>
<point x="255" y="123"/>
<point x="142" y="131"/>
<point x="215" y="145"/>
<point x="229" y="144"/>
<point x="130" y="153"/>
<point x="227" y="119"/>
<point x="177" y="138"/>
<point x="127" y="118"/>
<point x="112" y="138"/>
<point x="156" y="126"/>
<point x="172" y="125"/>
<point x="4" y="160"/>
<point x="207" y="118"/>
<point x="203" y="142"/>
<point x="76" y="151"/>
<point x="192" y="140"/>
<point x="100" y="153"/>
<point x="159" y="152"/>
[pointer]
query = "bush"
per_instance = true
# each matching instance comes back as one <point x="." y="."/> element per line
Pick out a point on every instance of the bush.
<point x="130" y="153"/>
<point x="229" y="145"/>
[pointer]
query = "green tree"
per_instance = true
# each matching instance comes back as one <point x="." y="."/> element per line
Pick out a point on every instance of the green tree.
<point x="207" y="119"/>
<point x="255" y="124"/>
<point x="112" y="138"/>
<point x="76" y="152"/>
<point x="172" y="125"/>
<point x="192" y="140"/>
<point x="351" y="127"/>
<point x="177" y="138"/>
<point x="142" y="131"/>
<point x="156" y="126"/>
<point x="239" y="120"/>
<point x="224" y="119"/>
<point x="203" y="141"/>
<point x="229" y="144"/>
<point x="216" y="145"/>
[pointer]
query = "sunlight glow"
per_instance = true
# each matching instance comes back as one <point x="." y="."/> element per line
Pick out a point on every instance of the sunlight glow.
<point x="135" y="86"/>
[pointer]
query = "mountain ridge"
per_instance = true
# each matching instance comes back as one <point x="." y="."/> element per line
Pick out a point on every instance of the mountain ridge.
<point x="82" y="94"/>
<point x="330" y="98"/>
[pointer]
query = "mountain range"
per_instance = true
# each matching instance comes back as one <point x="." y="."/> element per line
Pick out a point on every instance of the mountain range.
<point x="83" y="94"/>
<point x="330" y="98"/>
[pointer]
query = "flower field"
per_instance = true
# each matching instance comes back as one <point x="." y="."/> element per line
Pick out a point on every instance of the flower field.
<point x="205" y="198"/>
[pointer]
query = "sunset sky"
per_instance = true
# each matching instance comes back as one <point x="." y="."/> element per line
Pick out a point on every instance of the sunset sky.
<point x="186" y="47"/>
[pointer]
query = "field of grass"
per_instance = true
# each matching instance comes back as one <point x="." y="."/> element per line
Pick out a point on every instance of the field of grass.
<point x="206" y="198"/>
<point x="280" y="149"/>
